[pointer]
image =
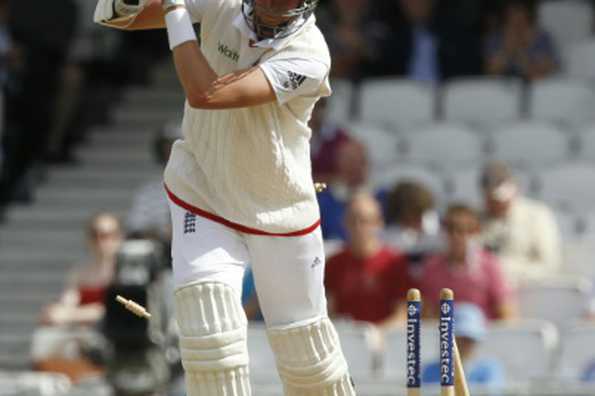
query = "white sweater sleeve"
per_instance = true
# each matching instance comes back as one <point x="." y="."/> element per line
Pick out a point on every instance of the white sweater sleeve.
<point x="293" y="77"/>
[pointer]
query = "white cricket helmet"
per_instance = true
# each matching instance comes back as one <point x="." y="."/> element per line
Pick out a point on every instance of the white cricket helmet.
<point x="255" y="15"/>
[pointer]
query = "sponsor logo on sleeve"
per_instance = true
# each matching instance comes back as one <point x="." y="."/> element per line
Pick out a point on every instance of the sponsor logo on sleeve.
<point x="293" y="81"/>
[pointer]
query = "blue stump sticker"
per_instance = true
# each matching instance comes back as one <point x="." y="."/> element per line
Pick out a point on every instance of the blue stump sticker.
<point x="446" y="343"/>
<point x="413" y="344"/>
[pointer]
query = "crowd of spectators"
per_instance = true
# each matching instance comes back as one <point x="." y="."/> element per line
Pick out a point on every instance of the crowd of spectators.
<point x="59" y="75"/>
<point x="433" y="41"/>
<point x="484" y="254"/>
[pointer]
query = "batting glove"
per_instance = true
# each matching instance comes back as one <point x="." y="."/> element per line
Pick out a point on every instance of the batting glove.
<point x="169" y="4"/>
<point x="124" y="8"/>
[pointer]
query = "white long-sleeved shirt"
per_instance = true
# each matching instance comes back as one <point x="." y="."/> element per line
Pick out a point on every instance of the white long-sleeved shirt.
<point x="249" y="168"/>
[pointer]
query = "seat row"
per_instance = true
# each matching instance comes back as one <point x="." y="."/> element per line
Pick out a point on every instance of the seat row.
<point x="526" y="145"/>
<point x="566" y="186"/>
<point x="482" y="102"/>
<point x="530" y="350"/>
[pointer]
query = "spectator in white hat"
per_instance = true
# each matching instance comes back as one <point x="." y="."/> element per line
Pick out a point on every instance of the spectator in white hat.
<point x="522" y="232"/>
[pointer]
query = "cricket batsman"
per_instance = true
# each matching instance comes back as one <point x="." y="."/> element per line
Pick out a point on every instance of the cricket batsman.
<point x="240" y="188"/>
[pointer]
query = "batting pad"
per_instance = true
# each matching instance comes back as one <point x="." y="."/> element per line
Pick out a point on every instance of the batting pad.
<point x="310" y="360"/>
<point x="213" y="340"/>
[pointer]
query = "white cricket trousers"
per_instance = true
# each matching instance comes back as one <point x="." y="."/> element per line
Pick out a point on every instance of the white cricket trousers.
<point x="288" y="271"/>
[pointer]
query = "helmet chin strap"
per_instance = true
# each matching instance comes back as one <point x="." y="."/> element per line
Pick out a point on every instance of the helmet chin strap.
<point x="264" y="32"/>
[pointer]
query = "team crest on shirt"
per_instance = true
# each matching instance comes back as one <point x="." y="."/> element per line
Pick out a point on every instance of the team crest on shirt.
<point x="293" y="81"/>
<point x="189" y="223"/>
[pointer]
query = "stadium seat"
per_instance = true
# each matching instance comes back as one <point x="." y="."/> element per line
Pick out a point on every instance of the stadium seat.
<point x="482" y="102"/>
<point x="398" y="103"/>
<point x="516" y="145"/>
<point x="576" y="352"/>
<point x="568" y="223"/>
<point x="399" y="172"/>
<point x="382" y="145"/>
<point x="586" y="143"/>
<point x="525" y="347"/>
<point x="463" y="186"/>
<point x="357" y="343"/>
<point x="558" y="300"/>
<point x="34" y="383"/>
<point x="569" y="21"/>
<point x="443" y="146"/>
<point x="569" y="187"/>
<point x="581" y="60"/>
<point x="340" y="102"/>
<point x="579" y="247"/>
<point x="567" y="101"/>
<point x="578" y="257"/>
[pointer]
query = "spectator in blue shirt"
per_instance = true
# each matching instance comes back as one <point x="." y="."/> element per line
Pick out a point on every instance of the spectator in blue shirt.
<point x="351" y="176"/>
<point x="520" y="48"/>
<point x="470" y="328"/>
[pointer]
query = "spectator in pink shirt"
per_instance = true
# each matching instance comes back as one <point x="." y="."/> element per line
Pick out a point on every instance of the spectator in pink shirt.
<point x="474" y="274"/>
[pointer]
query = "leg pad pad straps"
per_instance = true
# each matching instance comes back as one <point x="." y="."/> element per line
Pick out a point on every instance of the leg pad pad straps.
<point x="310" y="360"/>
<point x="213" y="340"/>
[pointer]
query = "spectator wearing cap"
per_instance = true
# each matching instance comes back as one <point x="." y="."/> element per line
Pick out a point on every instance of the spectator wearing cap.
<point x="470" y="331"/>
<point x="474" y="274"/>
<point x="367" y="280"/>
<point x="523" y="233"/>
<point x="413" y="224"/>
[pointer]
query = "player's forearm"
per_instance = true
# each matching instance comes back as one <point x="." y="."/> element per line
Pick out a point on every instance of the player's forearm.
<point x="194" y="72"/>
